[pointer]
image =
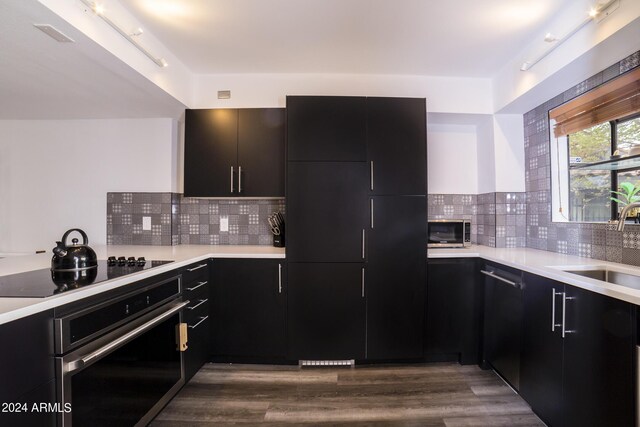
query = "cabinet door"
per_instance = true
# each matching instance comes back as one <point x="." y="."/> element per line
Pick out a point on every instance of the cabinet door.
<point x="327" y="211"/>
<point x="397" y="145"/>
<point x="326" y="311"/>
<point x="541" y="369"/>
<point x="197" y="353"/>
<point x="453" y="326"/>
<point x="261" y="152"/>
<point x="210" y="151"/>
<point x="395" y="277"/>
<point x="326" y="128"/>
<point x="598" y="360"/>
<point x="503" y="326"/>
<point x="248" y="308"/>
<point x="27" y="359"/>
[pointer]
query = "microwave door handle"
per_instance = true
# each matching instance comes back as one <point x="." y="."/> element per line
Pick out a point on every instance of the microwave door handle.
<point x="85" y="360"/>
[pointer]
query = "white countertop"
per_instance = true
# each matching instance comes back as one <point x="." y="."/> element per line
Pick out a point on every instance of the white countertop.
<point x="16" y="308"/>
<point x="550" y="265"/>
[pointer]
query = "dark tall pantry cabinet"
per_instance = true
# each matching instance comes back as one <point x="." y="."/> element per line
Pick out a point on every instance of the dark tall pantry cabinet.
<point x="356" y="210"/>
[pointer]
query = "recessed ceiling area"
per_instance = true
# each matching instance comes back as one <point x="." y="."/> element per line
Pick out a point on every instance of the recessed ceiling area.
<point x="457" y="38"/>
<point x="41" y="78"/>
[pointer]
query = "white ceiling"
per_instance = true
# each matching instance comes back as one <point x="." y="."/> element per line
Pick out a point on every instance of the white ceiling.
<point x="43" y="79"/>
<point x="469" y="38"/>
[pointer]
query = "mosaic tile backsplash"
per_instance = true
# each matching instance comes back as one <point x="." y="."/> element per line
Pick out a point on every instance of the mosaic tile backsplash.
<point x="176" y="219"/>
<point x="599" y="241"/>
<point x="497" y="219"/>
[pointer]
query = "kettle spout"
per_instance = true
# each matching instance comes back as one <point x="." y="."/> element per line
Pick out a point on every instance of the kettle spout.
<point x="60" y="250"/>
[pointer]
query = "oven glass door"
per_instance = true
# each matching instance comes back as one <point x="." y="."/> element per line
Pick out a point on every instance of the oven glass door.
<point x="119" y="389"/>
<point x="446" y="233"/>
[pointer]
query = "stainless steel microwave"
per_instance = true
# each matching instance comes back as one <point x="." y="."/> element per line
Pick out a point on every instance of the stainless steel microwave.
<point x="449" y="233"/>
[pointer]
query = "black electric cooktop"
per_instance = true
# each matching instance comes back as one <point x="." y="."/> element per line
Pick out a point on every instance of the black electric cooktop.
<point x="44" y="283"/>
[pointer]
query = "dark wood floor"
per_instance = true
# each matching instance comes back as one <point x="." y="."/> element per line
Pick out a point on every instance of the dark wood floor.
<point x="419" y="395"/>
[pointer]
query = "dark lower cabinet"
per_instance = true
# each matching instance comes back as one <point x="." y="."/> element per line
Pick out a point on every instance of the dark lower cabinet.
<point x="454" y="310"/>
<point x="395" y="277"/>
<point x="27" y="371"/>
<point x="327" y="210"/>
<point x="196" y="289"/>
<point x="586" y="377"/>
<point x="326" y="311"/>
<point x="541" y="373"/>
<point x="248" y="309"/>
<point x="503" y="314"/>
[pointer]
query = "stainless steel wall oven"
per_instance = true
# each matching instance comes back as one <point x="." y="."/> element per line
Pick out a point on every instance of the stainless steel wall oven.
<point x="119" y="361"/>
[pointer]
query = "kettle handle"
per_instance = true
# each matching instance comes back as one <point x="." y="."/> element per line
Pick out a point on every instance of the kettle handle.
<point x="85" y="239"/>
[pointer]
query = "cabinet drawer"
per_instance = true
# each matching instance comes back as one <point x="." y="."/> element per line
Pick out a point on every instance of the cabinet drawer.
<point x="197" y="353"/>
<point x="198" y="271"/>
<point x="197" y="289"/>
<point x="196" y="310"/>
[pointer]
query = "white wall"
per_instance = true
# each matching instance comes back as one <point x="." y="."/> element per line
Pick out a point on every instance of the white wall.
<point x="486" y="157"/>
<point x="452" y="158"/>
<point x="444" y="94"/>
<point x="589" y="51"/>
<point x="508" y="144"/>
<point x="54" y="175"/>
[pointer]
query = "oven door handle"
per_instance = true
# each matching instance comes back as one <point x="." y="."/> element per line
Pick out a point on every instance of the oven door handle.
<point x="83" y="361"/>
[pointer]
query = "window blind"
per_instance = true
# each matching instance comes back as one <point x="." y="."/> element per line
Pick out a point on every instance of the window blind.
<point x="613" y="100"/>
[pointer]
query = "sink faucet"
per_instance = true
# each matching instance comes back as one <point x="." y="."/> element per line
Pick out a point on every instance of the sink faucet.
<point x="625" y="212"/>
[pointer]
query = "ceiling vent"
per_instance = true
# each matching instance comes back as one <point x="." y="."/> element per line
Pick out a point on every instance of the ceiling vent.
<point x="54" y="33"/>
<point x="224" y="94"/>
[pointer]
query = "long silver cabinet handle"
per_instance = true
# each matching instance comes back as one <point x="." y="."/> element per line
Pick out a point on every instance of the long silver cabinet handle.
<point x="202" y="301"/>
<point x="200" y="284"/>
<point x="362" y="282"/>
<point x="502" y="279"/>
<point x="197" y="268"/>
<point x="565" y="298"/>
<point x="554" y="294"/>
<point x="553" y="310"/>
<point x="232" y="179"/>
<point x="202" y="319"/>
<point x="363" y="243"/>
<point x="371" y="175"/>
<point x="279" y="278"/>
<point x="85" y="360"/>
<point x="239" y="179"/>
<point x="371" y="213"/>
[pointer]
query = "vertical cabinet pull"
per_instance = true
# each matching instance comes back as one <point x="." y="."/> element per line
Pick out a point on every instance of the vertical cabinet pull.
<point x="363" y="243"/>
<point x="371" y="213"/>
<point x="239" y="179"/>
<point x="362" y="282"/>
<point x="232" y="179"/>
<point x="554" y="294"/>
<point x="279" y="278"/>
<point x="371" y="173"/>
<point x="565" y="298"/>
<point x="553" y="310"/>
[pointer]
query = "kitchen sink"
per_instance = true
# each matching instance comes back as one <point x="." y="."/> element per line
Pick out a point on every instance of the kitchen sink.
<point x="610" y="276"/>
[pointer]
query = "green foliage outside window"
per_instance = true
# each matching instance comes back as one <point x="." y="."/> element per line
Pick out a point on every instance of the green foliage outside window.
<point x="589" y="196"/>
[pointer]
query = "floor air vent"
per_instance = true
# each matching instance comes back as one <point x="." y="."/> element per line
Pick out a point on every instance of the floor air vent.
<point x="326" y="363"/>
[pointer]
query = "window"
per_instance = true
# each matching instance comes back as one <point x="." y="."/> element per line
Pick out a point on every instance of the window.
<point x="589" y="189"/>
<point x="595" y="148"/>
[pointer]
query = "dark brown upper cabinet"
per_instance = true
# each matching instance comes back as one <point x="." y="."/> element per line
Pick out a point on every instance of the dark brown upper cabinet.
<point x="327" y="128"/>
<point x="234" y="153"/>
<point x="396" y="146"/>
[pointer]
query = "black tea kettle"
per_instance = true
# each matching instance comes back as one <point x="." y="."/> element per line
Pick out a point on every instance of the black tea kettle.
<point x="73" y="257"/>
